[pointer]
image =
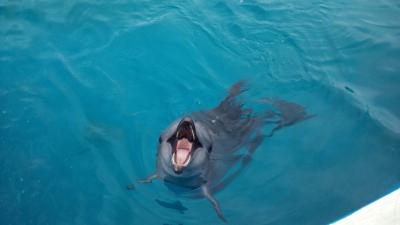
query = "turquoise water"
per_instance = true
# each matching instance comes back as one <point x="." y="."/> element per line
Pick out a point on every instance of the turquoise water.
<point x="87" y="87"/>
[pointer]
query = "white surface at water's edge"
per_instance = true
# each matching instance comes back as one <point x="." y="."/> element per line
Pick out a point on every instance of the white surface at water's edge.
<point x="384" y="211"/>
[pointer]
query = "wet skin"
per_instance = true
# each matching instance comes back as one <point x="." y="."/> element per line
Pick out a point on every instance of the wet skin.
<point x="197" y="151"/>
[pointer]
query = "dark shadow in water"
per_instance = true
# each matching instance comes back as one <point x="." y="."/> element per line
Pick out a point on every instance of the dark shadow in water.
<point x="176" y="205"/>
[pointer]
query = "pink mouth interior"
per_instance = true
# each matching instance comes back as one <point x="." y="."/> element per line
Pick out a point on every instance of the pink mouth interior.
<point x="183" y="148"/>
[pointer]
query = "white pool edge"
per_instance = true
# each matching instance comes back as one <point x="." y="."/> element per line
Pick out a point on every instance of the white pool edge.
<point x="384" y="211"/>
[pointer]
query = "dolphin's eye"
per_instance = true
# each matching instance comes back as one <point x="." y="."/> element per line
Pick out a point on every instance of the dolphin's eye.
<point x="159" y="140"/>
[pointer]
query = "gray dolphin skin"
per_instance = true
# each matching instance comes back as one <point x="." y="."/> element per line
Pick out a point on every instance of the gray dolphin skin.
<point x="196" y="153"/>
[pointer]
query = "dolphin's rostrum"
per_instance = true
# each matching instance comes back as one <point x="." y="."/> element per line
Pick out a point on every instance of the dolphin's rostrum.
<point x="197" y="151"/>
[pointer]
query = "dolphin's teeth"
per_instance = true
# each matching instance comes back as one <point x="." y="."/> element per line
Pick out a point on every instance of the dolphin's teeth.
<point x="194" y="136"/>
<point x="173" y="159"/>
<point x="187" y="160"/>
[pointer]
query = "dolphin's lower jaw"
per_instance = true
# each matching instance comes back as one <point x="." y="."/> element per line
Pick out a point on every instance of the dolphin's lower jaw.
<point x="178" y="168"/>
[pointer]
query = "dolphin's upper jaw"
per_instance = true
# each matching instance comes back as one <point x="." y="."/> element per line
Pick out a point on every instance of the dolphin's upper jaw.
<point x="183" y="145"/>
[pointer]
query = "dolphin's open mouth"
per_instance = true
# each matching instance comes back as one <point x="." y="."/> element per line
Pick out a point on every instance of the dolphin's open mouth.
<point x="183" y="146"/>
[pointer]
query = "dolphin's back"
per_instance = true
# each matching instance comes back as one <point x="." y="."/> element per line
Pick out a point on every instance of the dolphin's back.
<point x="237" y="132"/>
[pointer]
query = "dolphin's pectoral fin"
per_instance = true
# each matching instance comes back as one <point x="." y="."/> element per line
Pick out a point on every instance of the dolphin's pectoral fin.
<point x="149" y="179"/>
<point x="206" y="192"/>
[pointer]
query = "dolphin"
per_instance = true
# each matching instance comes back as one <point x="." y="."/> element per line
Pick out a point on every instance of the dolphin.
<point x="197" y="152"/>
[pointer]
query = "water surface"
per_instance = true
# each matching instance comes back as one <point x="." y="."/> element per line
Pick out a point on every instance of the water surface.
<point x="87" y="86"/>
